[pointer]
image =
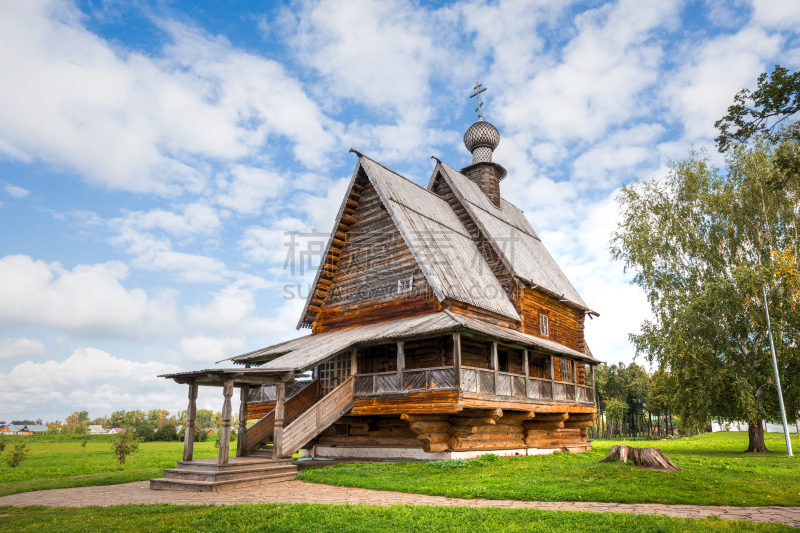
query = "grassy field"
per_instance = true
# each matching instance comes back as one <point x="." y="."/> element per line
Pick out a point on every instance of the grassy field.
<point x="58" y="461"/>
<point x="715" y="472"/>
<point x="304" y="518"/>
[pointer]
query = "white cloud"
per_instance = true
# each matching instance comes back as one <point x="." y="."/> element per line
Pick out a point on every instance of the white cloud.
<point x="88" y="300"/>
<point x="94" y="380"/>
<point x="208" y="350"/>
<point x="22" y="347"/>
<point x="138" y="123"/>
<point x="17" y="192"/>
<point x="195" y="219"/>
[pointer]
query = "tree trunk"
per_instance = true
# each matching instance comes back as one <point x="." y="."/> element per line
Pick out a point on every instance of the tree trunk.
<point x="755" y="433"/>
<point x="649" y="458"/>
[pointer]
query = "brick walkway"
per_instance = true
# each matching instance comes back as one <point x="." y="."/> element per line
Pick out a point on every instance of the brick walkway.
<point x="299" y="492"/>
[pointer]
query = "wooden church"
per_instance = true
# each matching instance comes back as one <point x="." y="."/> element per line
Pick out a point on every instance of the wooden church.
<point x="441" y="327"/>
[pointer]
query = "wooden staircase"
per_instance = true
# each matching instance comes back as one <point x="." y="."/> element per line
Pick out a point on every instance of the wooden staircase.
<point x="207" y="475"/>
<point x="258" y="465"/>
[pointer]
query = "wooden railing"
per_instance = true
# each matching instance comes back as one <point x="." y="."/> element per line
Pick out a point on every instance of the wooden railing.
<point x="482" y="381"/>
<point x="316" y="419"/>
<point x="442" y="377"/>
<point x="262" y="430"/>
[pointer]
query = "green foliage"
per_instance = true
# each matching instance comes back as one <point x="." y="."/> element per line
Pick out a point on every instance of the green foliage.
<point x="760" y="112"/>
<point x="56" y="461"/>
<point x="2" y="444"/>
<point x="715" y="472"/>
<point x="124" y="444"/>
<point x="167" y="432"/>
<point x="18" y="454"/>
<point x="702" y="243"/>
<point x="84" y="442"/>
<point x="77" y="417"/>
<point x="308" y="518"/>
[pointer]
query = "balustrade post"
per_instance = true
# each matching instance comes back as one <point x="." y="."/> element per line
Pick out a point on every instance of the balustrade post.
<point x="353" y="362"/>
<point x="244" y="395"/>
<point x="277" y="439"/>
<point x="495" y="366"/>
<point x="188" y="432"/>
<point x="457" y="359"/>
<point x="225" y="430"/>
<point x="401" y="363"/>
<point x="526" y="369"/>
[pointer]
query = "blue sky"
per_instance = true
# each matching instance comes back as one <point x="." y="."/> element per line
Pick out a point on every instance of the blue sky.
<point x="153" y="155"/>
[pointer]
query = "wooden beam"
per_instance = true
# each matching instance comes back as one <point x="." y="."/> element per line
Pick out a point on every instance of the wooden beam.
<point x="354" y="361"/>
<point x="457" y="358"/>
<point x="225" y="430"/>
<point x="401" y="363"/>
<point x="552" y="370"/>
<point x="244" y="395"/>
<point x="495" y="368"/>
<point x="347" y="219"/>
<point x="352" y="203"/>
<point x="191" y="414"/>
<point x="277" y="438"/>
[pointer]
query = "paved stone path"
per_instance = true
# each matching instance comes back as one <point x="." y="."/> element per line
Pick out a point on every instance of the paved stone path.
<point x="299" y="492"/>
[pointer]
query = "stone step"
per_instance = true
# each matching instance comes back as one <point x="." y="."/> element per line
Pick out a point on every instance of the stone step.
<point x="190" y="485"/>
<point x="234" y="465"/>
<point x="225" y="475"/>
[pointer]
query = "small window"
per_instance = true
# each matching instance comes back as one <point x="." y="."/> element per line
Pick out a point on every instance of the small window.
<point x="404" y="285"/>
<point x="544" y="326"/>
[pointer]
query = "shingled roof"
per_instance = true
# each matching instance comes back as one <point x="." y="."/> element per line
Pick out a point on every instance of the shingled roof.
<point x="444" y="250"/>
<point x="512" y="237"/>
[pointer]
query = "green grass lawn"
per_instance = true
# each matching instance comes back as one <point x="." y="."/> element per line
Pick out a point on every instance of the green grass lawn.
<point x="58" y="461"/>
<point x="715" y="472"/>
<point x="349" y="519"/>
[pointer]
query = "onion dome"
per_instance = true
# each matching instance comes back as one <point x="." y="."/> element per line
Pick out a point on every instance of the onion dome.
<point x="481" y="139"/>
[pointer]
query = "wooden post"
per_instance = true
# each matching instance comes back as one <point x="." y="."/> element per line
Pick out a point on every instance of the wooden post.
<point x="353" y="362"/>
<point x="552" y="370"/>
<point x="277" y="440"/>
<point x="495" y="366"/>
<point x="457" y="358"/>
<point x="526" y="369"/>
<point x="594" y="391"/>
<point x="401" y="363"/>
<point x="244" y="395"/>
<point x="191" y="413"/>
<point x="225" y="430"/>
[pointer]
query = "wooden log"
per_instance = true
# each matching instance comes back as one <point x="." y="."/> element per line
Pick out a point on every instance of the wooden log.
<point x="536" y="434"/>
<point x="352" y="203"/>
<point x="326" y="282"/>
<point x="462" y="431"/>
<point x="338" y="243"/>
<point x="482" y="413"/>
<point x="422" y="417"/>
<point x="509" y="416"/>
<point x="432" y="426"/>
<point x="356" y="420"/>
<point x="582" y="417"/>
<point x="552" y="417"/>
<point x="392" y="422"/>
<point x="584" y="433"/>
<point x="457" y="443"/>
<point x="386" y="441"/>
<point x="500" y="429"/>
<point x="347" y="219"/>
<point x="529" y="441"/>
<point x="393" y="432"/>
<point x="434" y="447"/>
<point x="464" y="421"/>
<point x="320" y="294"/>
<point x="314" y="309"/>
<point x="432" y="438"/>
<point x="647" y="458"/>
<point x="316" y="302"/>
<point x="535" y="424"/>
<point x="569" y="424"/>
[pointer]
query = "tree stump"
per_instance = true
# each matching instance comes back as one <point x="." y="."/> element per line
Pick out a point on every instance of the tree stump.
<point x="648" y="458"/>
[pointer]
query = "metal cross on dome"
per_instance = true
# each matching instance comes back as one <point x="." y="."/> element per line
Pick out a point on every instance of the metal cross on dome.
<point x="478" y="92"/>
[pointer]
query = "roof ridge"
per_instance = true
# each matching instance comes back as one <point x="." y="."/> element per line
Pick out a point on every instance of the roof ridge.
<point x="398" y="174"/>
<point x="462" y="233"/>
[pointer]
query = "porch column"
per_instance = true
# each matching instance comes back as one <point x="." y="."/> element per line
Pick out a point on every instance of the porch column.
<point x="354" y="362"/>
<point x="495" y="366"/>
<point x="526" y="369"/>
<point x="401" y="363"/>
<point x="552" y="369"/>
<point x="244" y="395"/>
<point x="225" y="430"/>
<point x="277" y="439"/>
<point x="457" y="358"/>
<point x="191" y="413"/>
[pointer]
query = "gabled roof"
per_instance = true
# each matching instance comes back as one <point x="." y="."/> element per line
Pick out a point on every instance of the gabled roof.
<point x="308" y="351"/>
<point x="444" y="250"/>
<point x="512" y="236"/>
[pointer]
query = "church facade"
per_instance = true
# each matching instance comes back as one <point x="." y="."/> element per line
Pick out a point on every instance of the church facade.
<point x="440" y="326"/>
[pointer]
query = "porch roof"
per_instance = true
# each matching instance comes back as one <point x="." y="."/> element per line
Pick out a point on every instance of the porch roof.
<point x="240" y="376"/>
<point x="306" y="352"/>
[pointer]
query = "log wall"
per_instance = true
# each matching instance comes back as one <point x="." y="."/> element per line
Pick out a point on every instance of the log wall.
<point x="565" y="322"/>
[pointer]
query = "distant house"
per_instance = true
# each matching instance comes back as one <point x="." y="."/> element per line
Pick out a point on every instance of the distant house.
<point x="32" y="429"/>
<point x="116" y="430"/>
<point x="97" y="429"/>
